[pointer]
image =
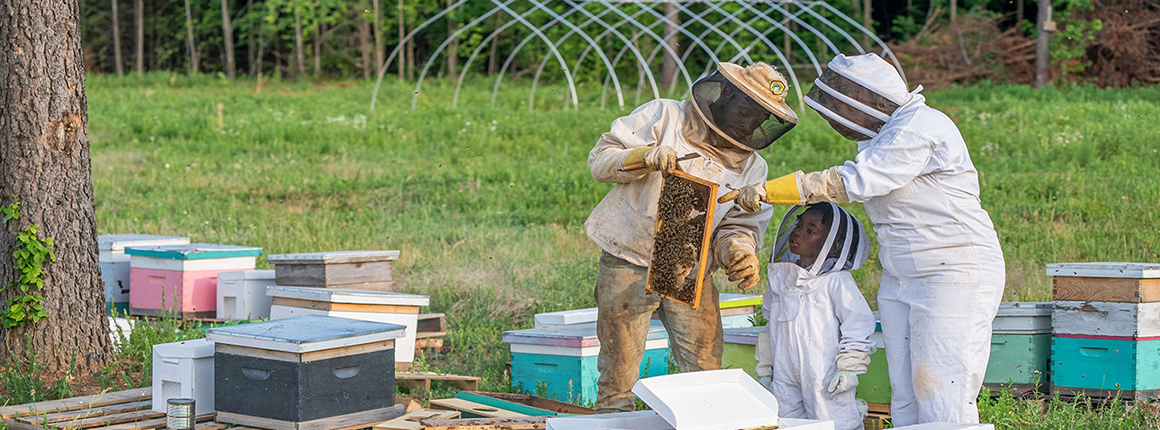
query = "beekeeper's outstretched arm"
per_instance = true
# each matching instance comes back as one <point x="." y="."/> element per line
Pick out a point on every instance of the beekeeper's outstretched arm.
<point x="738" y="236"/>
<point x="632" y="142"/>
<point x="855" y="325"/>
<point x="894" y="159"/>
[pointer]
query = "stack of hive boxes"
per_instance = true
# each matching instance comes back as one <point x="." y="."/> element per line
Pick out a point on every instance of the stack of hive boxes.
<point x="115" y="265"/>
<point x="345" y="284"/>
<point x="1106" y="330"/>
<point x="181" y="280"/>
<point x="1020" y="347"/>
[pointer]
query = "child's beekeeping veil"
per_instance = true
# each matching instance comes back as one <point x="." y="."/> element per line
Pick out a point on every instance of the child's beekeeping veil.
<point x="846" y="246"/>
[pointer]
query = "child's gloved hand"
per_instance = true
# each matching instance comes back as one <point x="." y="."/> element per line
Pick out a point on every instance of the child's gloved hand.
<point x="843" y="381"/>
<point x="765" y="381"/>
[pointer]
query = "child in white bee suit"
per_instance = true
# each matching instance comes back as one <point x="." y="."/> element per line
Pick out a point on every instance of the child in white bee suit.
<point x="819" y="322"/>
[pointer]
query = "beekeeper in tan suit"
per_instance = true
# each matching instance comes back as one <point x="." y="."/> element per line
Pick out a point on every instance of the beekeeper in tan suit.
<point x="733" y="113"/>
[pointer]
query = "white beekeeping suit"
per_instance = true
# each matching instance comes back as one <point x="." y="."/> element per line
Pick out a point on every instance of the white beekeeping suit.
<point x="819" y="325"/>
<point x="943" y="269"/>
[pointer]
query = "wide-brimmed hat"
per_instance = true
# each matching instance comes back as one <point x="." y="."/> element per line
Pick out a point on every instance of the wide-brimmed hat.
<point x="763" y="84"/>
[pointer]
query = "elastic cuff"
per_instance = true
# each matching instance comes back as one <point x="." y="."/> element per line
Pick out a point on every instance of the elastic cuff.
<point x="635" y="158"/>
<point x="785" y="190"/>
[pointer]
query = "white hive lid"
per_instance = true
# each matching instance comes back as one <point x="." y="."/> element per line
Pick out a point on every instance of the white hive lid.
<point x="337" y="295"/>
<point x="267" y="275"/>
<point x="744" y="335"/>
<point x="305" y="333"/>
<point x="197" y="348"/>
<point x="334" y="257"/>
<point x="118" y="242"/>
<point x="1105" y="270"/>
<point x="726" y="399"/>
<point x="568" y="317"/>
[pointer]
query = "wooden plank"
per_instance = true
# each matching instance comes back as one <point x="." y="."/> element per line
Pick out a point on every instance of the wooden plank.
<point x="409" y="380"/>
<point x="209" y="426"/>
<point x="81" y="414"/>
<point x="305" y="357"/>
<point x="412" y="420"/>
<point x="882" y="408"/>
<point x="345" y="307"/>
<point x="107" y="420"/>
<point x="432" y="323"/>
<point x="349" y="421"/>
<point x="528" y="423"/>
<point x="81" y="402"/>
<point x="1106" y="289"/>
<point x="432" y="343"/>
<point x="744" y="310"/>
<point x="473" y="409"/>
<point x="1109" y="319"/>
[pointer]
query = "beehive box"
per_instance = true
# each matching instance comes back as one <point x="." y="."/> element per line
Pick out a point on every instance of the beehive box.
<point x="684" y="227"/>
<point x="310" y="372"/>
<point x="1020" y="346"/>
<point x="562" y="359"/>
<point x="567" y="317"/>
<point x="383" y="307"/>
<point x="359" y="270"/>
<point x="184" y="370"/>
<point x="741" y="348"/>
<point x="737" y="310"/>
<point x="241" y="295"/>
<point x="114" y="264"/>
<point x="1105" y="368"/>
<point x="181" y="280"/>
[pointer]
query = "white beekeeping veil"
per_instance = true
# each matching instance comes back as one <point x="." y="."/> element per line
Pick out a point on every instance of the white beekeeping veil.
<point x="846" y="246"/>
<point x="858" y="94"/>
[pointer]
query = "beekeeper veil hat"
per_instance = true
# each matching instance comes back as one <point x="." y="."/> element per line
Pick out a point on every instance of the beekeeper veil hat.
<point x="858" y="94"/>
<point x="746" y="105"/>
<point x="846" y="246"/>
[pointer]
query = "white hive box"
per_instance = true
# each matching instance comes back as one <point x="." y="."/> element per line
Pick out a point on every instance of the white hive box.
<point x="568" y="317"/>
<point x="115" y="264"/>
<point x="184" y="370"/>
<point x="710" y="400"/>
<point x="384" y="307"/>
<point x="242" y="295"/>
<point x="119" y="327"/>
<point x="649" y="420"/>
<point x="1105" y="270"/>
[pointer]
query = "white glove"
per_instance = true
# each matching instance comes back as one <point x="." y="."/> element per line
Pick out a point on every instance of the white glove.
<point x="765" y="381"/>
<point x="843" y="381"/>
<point x="863" y="408"/>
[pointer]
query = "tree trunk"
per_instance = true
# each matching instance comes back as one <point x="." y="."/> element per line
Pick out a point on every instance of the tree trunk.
<point x="118" y="65"/>
<point x="411" y="59"/>
<point x="491" y="64"/>
<point x="954" y="10"/>
<point x="402" y="34"/>
<point x="364" y="38"/>
<point x="453" y="48"/>
<point x="192" y="46"/>
<point x="378" y="28"/>
<point x="228" y="35"/>
<point x="139" y="16"/>
<point x="868" y="22"/>
<point x="317" y="49"/>
<point x="45" y="164"/>
<point x="669" y="64"/>
<point x="1043" y="37"/>
<point x="1018" y="12"/>
<point x="301" y="56"/>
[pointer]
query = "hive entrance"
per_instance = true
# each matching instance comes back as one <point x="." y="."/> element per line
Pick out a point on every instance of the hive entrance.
<point x="681" y="242"/>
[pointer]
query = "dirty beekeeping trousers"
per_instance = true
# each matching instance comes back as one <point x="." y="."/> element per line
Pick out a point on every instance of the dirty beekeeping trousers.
<point x="942" y="265"/>
<point x="695" y="335"/>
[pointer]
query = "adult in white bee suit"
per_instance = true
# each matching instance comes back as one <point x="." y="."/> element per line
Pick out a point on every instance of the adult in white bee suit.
<point x="733" y="113"/>
<point x="819" y="322"/>
<point x="943" y="270"/>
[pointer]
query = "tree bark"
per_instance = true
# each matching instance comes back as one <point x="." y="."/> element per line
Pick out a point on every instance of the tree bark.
<point x="45" y="164"/>
<point x="954" y="10"/>
<point x="669" y="64"/>
<point x="317" y="49"/>
<point x="868" y="22"/>
<point x="117" y="63"/>
<point x="453" y="48"/>
<point x="192" y="46"/>
<point x="1043" y="37"/>
<point x="139" y="17"/>
<point x="491" y="64"/>
<point x="378" y="28"/>
<point x="1018" y="12"/>
<point x="402" y="34"/>
<point x="410" y="59"/>
<point x="364" y="38"/>
<point x="301" y="56"/>
<point x="228" y="35"/>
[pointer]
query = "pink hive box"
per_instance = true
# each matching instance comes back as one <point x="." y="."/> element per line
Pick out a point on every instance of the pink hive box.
<point x="181" y="280"/>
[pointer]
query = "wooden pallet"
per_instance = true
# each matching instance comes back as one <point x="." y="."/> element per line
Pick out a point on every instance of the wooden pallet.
<point x="121" y="410"/>
<point x="411" y="380"/>
<point x="876" y="419"/>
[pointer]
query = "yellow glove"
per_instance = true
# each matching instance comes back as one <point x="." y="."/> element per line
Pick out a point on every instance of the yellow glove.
<point x="740" y="263"/>
<point x="662" y="158"/>
<point x="780" y="191"/>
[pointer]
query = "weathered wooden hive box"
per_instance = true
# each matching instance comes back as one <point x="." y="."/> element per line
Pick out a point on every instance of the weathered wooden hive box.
<point x="181" y="280"/>
<point x="241" y="295"/>
<point x="310" y="372"/>
<point x="183" y="370"/>
<point x="1106" y="330"/>
<point x="562" y="359"/>
<point x="740" y="350"/>
<point x="359" y="270"/>
<point x="384" y="307"/>
<point x="1020" y="346"/>
<point x="114" y="264"/>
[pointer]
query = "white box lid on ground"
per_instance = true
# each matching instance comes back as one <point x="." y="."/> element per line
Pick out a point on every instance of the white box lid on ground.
<point x="1105" y="270"/>
<point x="576" y="335"/>
<point x="568" y="317"/>
<point x="114" y="244"/>
<point x="744" y="335"/>
<point x="638" y="420"/>
<point x="948" y="426"/>
<point x="337" y="295"/>
<point x="334" y="257"/>
<point x="196" y="348"/>
<point x="305" y="334"/>
<point x="726" y="399"/>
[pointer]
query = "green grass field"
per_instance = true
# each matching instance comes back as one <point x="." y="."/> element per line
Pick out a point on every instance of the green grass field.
<point x="487" y="206"/>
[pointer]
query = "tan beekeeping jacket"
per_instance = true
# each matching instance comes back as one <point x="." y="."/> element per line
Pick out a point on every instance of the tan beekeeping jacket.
<point x="624" y="221"/>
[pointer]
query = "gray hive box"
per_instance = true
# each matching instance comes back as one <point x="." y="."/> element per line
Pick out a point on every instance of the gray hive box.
<point x="309" y="372"/>
<point x="361" y="270"/>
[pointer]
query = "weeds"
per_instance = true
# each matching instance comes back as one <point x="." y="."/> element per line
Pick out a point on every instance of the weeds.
<point x="23" y="379"/>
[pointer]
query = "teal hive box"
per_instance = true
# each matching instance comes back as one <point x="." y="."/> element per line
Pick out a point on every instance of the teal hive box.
<point x="1020" y="347"/>
<point x="560" y="362"/>
<point x="740" y="349"/>
<point x="1105" y="367"/>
